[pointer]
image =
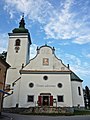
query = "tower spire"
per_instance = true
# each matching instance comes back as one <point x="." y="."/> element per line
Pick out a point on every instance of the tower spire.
<point x="22" y="22"/>
<point x="22" y="15"/>
<point x="21" y="28"/>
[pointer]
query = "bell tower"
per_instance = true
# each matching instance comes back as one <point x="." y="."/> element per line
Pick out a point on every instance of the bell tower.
<point x="17" y="57"/>
<point x="18" y="50"/>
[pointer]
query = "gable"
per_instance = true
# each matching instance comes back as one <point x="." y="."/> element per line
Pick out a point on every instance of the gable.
<point x="46" y="60"/>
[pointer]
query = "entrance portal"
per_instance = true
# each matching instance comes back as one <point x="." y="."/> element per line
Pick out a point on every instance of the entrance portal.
<point x="45" y="101"/>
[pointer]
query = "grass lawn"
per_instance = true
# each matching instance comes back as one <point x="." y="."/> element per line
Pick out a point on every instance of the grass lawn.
<point x="76" y="112"/>
<point x="82" y="112"/>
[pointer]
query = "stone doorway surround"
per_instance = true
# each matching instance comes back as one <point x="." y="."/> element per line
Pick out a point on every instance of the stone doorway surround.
<point x="45" y="99"/>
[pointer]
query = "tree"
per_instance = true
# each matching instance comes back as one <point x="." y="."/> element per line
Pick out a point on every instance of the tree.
<point x="3" y="55"/>
<point x="87" y="97"/>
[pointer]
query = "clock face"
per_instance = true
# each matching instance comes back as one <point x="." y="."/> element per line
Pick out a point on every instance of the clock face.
<point x="17" y="48"/>
<point x="45" y="61"/>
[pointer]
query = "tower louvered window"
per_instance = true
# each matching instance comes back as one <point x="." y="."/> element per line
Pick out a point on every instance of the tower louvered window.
<point x="17" y="42"/>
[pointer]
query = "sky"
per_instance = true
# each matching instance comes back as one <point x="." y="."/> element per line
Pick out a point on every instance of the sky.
<point x="62" y="24"/>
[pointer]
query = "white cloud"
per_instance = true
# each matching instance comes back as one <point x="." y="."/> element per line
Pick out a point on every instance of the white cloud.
<point x="73" y="59"/>
<point x="81" y="68"/>
<point x="69" y="21"/>
<point x="81" y="71"/>
<point x="50" y="42"/>
<point x="60" y="26"/>
<point x="68" y="25"/>
<point x="86" y="53"/>
<point x="64" y="43"/>
<point x="33" y="51"/>
<point x="35" y="10"/>
<point x="82" y="39"/>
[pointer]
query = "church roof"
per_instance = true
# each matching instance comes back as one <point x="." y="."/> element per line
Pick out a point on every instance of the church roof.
<point x="4" y="63"/>
<point x="74" y="77"/>
<point x="20" y="30"/>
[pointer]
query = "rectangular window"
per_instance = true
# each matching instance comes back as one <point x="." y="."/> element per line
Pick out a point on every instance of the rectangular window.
<point x="79" y="91"/>
<point x="60" y="98"/>
<point x="30" y="98"/>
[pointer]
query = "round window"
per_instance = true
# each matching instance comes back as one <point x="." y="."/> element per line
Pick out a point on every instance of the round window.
<point x="45" y="77"/>
<point x="59" y="85"/>
<point x="31" y="85"/>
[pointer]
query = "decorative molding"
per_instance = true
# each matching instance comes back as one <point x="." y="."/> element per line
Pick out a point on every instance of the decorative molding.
<point x="43" y="72"/>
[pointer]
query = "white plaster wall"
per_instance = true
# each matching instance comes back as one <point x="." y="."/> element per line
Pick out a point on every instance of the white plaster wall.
<point x="39" y="83"/>
<point x="77" y="99"/>
<point x="11" y="100"/>
<point x="15" y="60"/>
<point x="22" y="89"/>
<point x="7" y="103"/>
<point x="39" y="87"/>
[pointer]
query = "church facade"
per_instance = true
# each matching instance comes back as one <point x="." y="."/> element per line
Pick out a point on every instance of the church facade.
<point x="41" y="81"/>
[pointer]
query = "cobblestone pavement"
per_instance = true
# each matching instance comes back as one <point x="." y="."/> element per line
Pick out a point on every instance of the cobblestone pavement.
<point x="9" y="116"/>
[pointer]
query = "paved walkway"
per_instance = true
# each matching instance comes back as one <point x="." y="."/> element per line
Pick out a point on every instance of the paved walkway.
<point x="10" y="116"/>
<point x="5" y="117"/>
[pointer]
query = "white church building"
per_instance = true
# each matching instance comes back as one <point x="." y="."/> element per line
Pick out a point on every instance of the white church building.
<point x="41" y="81"/>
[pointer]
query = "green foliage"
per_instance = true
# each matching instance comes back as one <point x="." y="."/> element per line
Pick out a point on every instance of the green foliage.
<point x="82" y="112"/>
<point x="87" y="97"/>
<point x="76" y="112"/>
<point x="87" y="91"/>
<point x="3" y="55"/>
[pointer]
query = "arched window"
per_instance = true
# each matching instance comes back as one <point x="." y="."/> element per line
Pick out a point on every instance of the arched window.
<point x="17" y="42"/>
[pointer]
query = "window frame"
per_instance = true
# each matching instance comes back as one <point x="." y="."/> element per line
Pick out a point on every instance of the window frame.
<point x="45" y="77"/>
<point x="46" y="61"/>
<point x="31" y="85"/>
<point x="59" y="85"/>
<point x="79" y="91"/>
<point x="30" y="100"/>
<point x="60" y="99"/>
<point x="17" y="42"/>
